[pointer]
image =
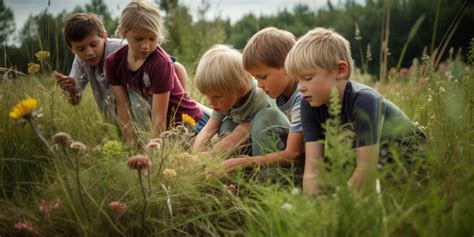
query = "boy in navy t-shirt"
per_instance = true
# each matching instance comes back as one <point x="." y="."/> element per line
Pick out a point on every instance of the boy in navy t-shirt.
<point x="321" y="60"/>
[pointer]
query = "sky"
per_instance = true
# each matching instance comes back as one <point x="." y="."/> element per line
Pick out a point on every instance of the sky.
<point x="233" y="9"/>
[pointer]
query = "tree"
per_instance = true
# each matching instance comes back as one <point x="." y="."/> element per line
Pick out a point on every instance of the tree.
<point x="99" y="8"/>
<point x="7" y="25"/>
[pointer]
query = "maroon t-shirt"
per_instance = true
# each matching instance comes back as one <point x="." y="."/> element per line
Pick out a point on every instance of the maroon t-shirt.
<point x="156" y="75"/>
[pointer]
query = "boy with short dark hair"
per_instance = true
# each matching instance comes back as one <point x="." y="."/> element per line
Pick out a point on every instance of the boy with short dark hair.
<point x="321" y="60"/>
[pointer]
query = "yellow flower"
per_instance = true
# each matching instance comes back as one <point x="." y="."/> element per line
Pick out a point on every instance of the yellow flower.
<point x="23" y="109"/>
<point x="188" y="119"/>
<point x="42" y="55"/>
<point x="33" y="68"/>
<point x="169" y="172"/>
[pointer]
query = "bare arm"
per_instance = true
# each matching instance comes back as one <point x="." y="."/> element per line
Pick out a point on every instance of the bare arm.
<point x="181" y="73"/>
<point x="123" y="112"/>
<point x="314" y="156"/>
<point x="206" y="134"/>
<point x="293" y="149"/>
<point x="68" y="85"/>
<point x="159" y="112"/>
<point x="234" y="139"/>
<point x="365" y="172"/>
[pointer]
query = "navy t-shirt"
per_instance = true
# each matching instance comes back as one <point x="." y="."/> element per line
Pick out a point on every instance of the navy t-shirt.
<point x="364" y="111"/>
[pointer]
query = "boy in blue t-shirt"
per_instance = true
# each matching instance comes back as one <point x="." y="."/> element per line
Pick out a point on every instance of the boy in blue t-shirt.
<point x="321" y="60"/>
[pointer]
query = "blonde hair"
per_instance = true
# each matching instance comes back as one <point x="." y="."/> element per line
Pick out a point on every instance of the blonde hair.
<point x="220" y="70"/>
<point x="142" y="13"/>
<point x="319" y="47"/>
<point x="268" y="47"/>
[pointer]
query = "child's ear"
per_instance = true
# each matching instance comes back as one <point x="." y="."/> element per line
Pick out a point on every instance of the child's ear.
<point x="342" y="70"/>
<point x="105" y="35"/>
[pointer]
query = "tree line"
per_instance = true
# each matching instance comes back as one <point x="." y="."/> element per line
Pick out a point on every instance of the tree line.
<point x="412" y="28"/>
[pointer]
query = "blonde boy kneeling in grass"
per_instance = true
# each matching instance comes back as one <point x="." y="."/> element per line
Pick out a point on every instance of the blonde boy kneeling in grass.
<point x="241" y="111"/>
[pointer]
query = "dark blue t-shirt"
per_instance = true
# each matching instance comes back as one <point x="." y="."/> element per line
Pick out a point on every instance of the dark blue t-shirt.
<point x="364" y="111"/>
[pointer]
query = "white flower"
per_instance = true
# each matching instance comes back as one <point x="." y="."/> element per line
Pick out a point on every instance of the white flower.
<point x="286" y="206"/>
<point x="442" y="89"/>
<point x="295" y="191"/>
<point x="377" y="186"/>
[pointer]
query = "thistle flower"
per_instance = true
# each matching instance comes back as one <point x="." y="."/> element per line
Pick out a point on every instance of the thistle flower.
<point x="33" y="68"/>
<point x="61" y="138"/>
<point x="25" y="109"/>
<point x="169" y="173"/>
<point x="151" y="146"/>
<point x="188" y="119"/>
<point x="117" y="208"/>
<point x="181" y="129"/>
<point x="42" y="55"/>
<point x="138" y="162"/>
<point x="77" y="146"/>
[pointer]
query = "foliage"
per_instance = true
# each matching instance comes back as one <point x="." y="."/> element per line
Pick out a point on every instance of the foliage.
<point x="7" y="25"/>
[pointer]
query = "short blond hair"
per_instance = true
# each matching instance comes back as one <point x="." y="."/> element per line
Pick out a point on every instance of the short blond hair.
<point x="319" y="47"/>
<point x="220" y="70"/>
<point x="142" y="13"/>
<point x="269" y="47"/>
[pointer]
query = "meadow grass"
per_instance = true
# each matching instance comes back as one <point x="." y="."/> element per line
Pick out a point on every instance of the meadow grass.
<point x="432" y="198"/>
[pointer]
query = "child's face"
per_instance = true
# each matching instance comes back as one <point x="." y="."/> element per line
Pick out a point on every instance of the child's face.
<point x="273" y="81"/>
<point x="222" y="102"/>
<point x="315" y="85"/>
<point x="141" y="42"/>
<point x="90" y="49"/>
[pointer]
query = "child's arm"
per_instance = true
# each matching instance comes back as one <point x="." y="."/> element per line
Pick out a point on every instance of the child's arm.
<point x="123" y="112"/>
<point x="68" y="84"/>
<point x="314" y="156"/>
<point x="181" y="73"/>
<point x="206" y="134"/>
<point x="366" y="169"/>
<point x="234" y="139"/>
<point x="281" y="158"/>
<point x="159" y="111"/>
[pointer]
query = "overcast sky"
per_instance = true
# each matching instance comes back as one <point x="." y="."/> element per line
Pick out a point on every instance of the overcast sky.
<point x="233" y="9"/>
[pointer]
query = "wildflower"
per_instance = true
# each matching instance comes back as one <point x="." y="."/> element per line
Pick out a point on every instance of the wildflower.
<point x="442" y="89"/>
<point x="33" y="68"/>
<point x="188" y="157"/>
<point x="46" y="208"/>
<point x="78" y="146"/>
<point x="26" y="226"/>
<point x="181" y="129"/>
<point x="112" y="149"/>
<point x="117" y="208"/>
<point x="138" y="162"/>
<point x="377" y="186"/>
<point x="188" y="119"/>
<point x="24" y="109"/>
<point x="430" y="98"/>
<point x="166" y="135"/>
<point x="231" y="189"/>
<point x="61" y="138"/>
<point x="151" y="146"/>
<point x="158" y="140"/>
<point x="169" y="172"/>
<point x="369" y="53"/>
<point x="295" y="191"/>
<point x="286" y="206"/>
<point x="357" y="32"/>
<point x="42" y="55"/>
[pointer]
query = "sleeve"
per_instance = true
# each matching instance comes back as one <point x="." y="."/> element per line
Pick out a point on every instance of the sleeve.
<point x="78" y="74"/>
<point x="312" y="129"/>
<point x="295" y="116"/>
<point x="367" y="117"/>
<point x="111" y="72"/>
<point x="162" y="76"/>
<point x="217" y="116"/>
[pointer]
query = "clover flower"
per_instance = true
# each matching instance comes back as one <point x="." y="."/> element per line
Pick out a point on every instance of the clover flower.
<point x="181" y="129"/>
<point x="61" y="138"/>
<point x="46" y="208"/>
<point x="26" y="226"/>
<point x="42" y="55"/>
<point x="151" y="146"/>
<point x="188" y="119"/>
<point x="117" y="208"/>
<point x="33" y="68"/>
<point x="138" y="162"/>
<point x="169" y="173"/>
<point x="25" y="109"/>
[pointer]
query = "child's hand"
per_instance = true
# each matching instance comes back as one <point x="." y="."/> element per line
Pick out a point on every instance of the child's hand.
<point x="66" y="83"/>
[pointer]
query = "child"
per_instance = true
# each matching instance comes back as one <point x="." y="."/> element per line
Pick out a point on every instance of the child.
<point x="143" y="69"/>
<point x="321" y="60"/>
<point x="87" y="39"/>
<point x="264" y="58"/>
<point x="240" y="110"/>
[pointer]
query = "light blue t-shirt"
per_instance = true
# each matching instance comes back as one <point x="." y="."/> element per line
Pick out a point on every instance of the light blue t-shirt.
<point x="291" y="108"/>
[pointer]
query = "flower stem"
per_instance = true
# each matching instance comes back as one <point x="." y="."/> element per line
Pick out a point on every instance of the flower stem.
<point x="144" y="197"/>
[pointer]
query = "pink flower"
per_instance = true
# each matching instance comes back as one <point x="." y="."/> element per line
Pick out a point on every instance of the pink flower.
<point x="26" y="226"/>
<point x="46" y="208"/>
<point x="138" y="162"/>
<point x="117" y="208"/>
